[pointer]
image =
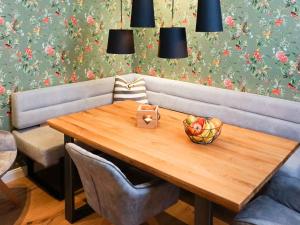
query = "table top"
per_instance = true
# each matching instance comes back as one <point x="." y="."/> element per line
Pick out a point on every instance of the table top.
<point x="228" y="172"/>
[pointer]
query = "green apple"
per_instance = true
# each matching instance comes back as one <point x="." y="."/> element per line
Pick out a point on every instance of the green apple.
<point x="191" y="119"/>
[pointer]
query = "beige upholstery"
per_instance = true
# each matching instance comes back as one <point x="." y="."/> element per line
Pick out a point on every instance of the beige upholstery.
<point x="34" y="107"/>
<point x="8" y="151"/>
<point x="261" y="113"/>
<point x="7" y="158"/>
<point x="43" y="144"/>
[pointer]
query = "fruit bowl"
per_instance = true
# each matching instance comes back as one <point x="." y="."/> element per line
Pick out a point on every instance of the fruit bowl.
<point x="202" y="130"/>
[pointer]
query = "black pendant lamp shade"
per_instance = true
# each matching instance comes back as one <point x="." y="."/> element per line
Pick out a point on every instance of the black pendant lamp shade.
<point x="209" y="16"/>
<point x="142" y="13"/>
<point x="120" y="42"/>
<point x="172" y="43"/>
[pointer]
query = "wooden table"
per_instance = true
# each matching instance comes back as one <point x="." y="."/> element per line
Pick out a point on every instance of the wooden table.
<point x="228" y="172"/>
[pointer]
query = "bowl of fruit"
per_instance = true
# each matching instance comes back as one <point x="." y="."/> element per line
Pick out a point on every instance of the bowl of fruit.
<point x="202" y="130"/>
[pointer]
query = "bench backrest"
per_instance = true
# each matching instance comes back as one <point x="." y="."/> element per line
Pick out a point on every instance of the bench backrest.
<point x="34" y="107"/>
<point x="270" y="115"/>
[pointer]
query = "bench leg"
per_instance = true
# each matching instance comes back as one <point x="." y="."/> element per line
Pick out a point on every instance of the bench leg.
<point x="57" y="173"/>
<point x="11" y="196"/>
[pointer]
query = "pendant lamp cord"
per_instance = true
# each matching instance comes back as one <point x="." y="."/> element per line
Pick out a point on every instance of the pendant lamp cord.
<point x="121" y="14"/>
<point x="172" y="13"/>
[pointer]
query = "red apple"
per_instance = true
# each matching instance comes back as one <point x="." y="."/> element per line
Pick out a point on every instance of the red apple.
<point x="197" y="128"/>
<point x="201" y="121"/>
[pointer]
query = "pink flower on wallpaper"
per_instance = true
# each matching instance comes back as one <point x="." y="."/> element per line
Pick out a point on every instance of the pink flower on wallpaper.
<point x="185" y="21"/>
<point x="294" y="14"/>
<point x="279" y="22"/>
<point x="45" y="19"/>
<point x="2" y="90"/>
<point x="184" y="77"/>
<point x="66" y="23"/>
<point x="209" y="80"/>
<point x="57" y="74"/>
<point x="257" y="55"/>
<point x="238" y="47"/>
<point x="292" y="87"/>
<point x="228" y="83"/>
<point x="152" y="72"/>
<point x="73" y="20"/>
<point x="2" y="21"/>
<point x="280" y="55"/>
<point x="74" y="77"/>
<point x="50" y="50"/>
<point x="276" y="91"/>
<point x="28" y="52"/>
<point x="230" y="21"/>
<point x="226" y="52"/>
<point x="19" y="55"/>
<point x="90" y="75"/>
<point x="47" y="82"/>
<point x="150" y="46"/>
<point x="90" y="20"/>
<point x="87" y="48"/>
<point x="138" y="69"/>
<point x="97" y="42"/>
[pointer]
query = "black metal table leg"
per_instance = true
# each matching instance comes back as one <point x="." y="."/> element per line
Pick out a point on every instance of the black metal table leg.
<point x="71" y="213"/>
<point x="69" y="187"/>
<point x="203" y="211"/>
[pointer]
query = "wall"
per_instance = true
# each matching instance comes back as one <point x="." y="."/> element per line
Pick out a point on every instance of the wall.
<point x="258" y="52"/>
<point x="51" y="42"/>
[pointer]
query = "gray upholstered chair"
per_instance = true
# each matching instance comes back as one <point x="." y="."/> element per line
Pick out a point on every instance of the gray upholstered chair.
<point x="113" y="196"/>
<point x="266" y="211"/>
<point x="280" y="204"/>
<point x="8" y="153"/>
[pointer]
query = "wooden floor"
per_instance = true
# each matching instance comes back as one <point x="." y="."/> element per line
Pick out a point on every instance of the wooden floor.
<point x="38" y="208"/>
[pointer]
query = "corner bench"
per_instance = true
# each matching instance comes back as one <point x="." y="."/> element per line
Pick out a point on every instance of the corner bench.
<point x="43" y="145"/>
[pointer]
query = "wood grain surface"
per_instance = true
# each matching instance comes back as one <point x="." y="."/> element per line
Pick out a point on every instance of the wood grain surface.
<point x="228" y="172"/>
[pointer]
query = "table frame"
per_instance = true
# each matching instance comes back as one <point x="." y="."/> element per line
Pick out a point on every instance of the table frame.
<point x="72" y="214"/>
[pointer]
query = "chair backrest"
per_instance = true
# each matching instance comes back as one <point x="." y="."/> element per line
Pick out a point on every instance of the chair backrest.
<point x="34" y="107"/>
<point x="262" y="113"/>
<point x="107" y="189"/>
<point x="7" y="141"/>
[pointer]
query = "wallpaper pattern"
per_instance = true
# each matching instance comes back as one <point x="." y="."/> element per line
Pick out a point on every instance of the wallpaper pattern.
<point x="258" y="52"/>
<point x="51" y="42"/>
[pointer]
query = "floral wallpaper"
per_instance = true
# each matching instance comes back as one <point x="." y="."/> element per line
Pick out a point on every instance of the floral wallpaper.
<point x="51" y="42"/>
<point x="258" y="52"/>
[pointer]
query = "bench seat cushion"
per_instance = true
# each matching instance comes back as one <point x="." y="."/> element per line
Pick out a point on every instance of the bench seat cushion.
<point x="42" y="144"/>
<point x="285" y="186"/>
<point x="7" y="158"/>
<point x="285" y="190"/>
<point x="265" y="211"/>
<point x="292" y="166"/>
